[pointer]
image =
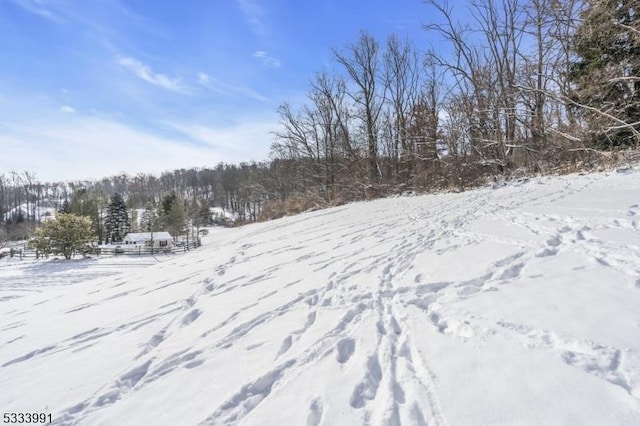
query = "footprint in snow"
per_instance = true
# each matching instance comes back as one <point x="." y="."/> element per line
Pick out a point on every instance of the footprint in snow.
<point x="368" y="388"/>
<point x="191" y="317"/>
<point x="440" y="324"/>
<point x="345" y="347"/>
<point x="132" y="377"/>
<point x="395" y="326"/>
<point x="315" y="413"/>
<point x="285" y="346"/>
<point x="512" y="272"/>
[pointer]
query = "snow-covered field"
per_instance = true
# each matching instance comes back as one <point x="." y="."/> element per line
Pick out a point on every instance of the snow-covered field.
<point x="518" y="305"/>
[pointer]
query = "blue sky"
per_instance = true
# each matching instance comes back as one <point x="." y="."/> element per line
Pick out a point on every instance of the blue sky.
<point x="90" y="88"/>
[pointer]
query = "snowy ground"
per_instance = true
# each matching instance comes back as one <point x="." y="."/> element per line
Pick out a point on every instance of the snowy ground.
<point x="518" y="305"/>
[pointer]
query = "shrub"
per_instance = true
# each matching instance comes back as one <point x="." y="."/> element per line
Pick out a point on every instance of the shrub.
<point x="67" y="235"/>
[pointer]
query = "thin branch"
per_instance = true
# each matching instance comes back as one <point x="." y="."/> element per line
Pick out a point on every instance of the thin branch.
<point x="565" y="135"/>
<point x="562" y="98"/>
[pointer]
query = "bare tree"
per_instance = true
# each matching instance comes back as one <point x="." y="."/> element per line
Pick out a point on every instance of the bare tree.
<point x="473" y="83"/>
<point x="362" y="63"/>
<point x="402" y="71"/>
<point x="328" y="99"/>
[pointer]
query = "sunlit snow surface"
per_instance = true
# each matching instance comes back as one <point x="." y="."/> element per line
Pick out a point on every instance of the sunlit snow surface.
<point x="516" y="305"/>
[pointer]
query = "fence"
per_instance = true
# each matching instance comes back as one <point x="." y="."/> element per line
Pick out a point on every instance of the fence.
<point x="122" y="250"/>
<point x="141" y="250"/>
<point x="21" y="253"/>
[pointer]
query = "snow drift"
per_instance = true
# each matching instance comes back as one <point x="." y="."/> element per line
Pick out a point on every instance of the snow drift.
<point x="511" y="305"/>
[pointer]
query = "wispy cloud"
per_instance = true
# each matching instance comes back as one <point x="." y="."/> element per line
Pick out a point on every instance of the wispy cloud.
<point x="203" y="78"/>
<point x="239" y="141"/>
<point x="266" y="60"/>
<point x="211" y="83"/>
<point x="145" y="72"/>
<point x="255" y="15"/>
<point x="67" y="109"/>
<point x="110" y="19"/>
<point x="404" y="23"/>
<point x="94" y="147"/>
<point x="40" y="8"/>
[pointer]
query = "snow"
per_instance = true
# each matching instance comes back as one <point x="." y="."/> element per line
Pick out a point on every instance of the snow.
<point x="43" y="212"/>
<point x="221" y="214"/>
<point x="508" y="305"/>
<point x="141" y="237"/>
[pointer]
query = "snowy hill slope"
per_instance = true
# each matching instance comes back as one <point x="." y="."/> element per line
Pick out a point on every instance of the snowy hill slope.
<point x="516" y="305"/>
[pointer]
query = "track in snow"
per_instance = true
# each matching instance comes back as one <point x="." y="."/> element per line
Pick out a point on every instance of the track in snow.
<point x="375" y="313"/>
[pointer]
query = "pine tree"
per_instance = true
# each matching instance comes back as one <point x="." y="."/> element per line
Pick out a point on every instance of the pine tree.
<point x="117" y="223"/>
<point x="167" y="202"/>
<point x="84" y="203"/>
<point x="134" y="221"/>
<point x="149" y="220"/>
<point x="607" y="73"/>
<point x="175" y="219"/>
<point x="172" y="215"/>
<point x="203" y="216"/>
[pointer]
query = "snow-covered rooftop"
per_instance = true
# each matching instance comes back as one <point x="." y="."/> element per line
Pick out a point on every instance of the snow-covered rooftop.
<point x="147" y="236"/>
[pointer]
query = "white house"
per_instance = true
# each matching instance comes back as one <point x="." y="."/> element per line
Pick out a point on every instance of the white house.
<point x="160" y="239"/>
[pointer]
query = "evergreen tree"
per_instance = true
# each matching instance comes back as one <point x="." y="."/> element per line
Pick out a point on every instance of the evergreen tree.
<point x="4" y="237"/>
<point x="172" y="215"/>
<point x="80" y="203"/>
<point x="66" y="235"/>
<point x="203" y="215"/>
<point x="117" y="223"/>
<point x="198" y="215"/>
<point x="134" y="221"/>
<point x="149" y="221"/>
<point x="176" y="219"/>
<point x="101" y="200"/>
<point x="84" y="203"/>
<point x="607" y="74"/>
<point x="167" y="202"/>
<point x="65" y="208"/>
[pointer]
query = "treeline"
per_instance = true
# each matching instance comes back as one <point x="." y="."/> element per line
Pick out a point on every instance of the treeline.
<point x="519" y="86"/>
<point x="240" y="190"/>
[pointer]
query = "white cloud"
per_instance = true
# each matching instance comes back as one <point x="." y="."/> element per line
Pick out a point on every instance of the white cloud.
<point x="211" y="83"/>
<point x="40" y="8"/>
<point x="145" y="72"/>
<point x="255" y="15"/>
<point x="203" y="78"/>
<point x="266" y="60"/>
<point x="240" y="142"/>
<point x="91" y="147"/>
<point x="67" y="108"/>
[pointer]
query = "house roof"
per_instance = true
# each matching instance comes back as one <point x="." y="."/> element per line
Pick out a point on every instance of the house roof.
<point x="146" y="236"/>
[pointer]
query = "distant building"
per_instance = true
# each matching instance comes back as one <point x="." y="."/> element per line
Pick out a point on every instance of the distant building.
<point x="160" y="239"/>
